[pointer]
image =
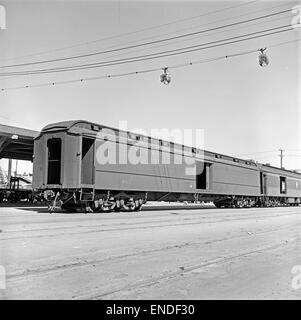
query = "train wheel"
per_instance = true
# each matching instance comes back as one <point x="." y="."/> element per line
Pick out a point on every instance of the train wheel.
<point x="130" y="205"/>
<point x="138" y="207"/>
<point x="239" y="204"/>
<point x="138" y="204"/>
<point x="117" y="206"/>
<point x="127" y="206"/>
<point x="108" y="207"/>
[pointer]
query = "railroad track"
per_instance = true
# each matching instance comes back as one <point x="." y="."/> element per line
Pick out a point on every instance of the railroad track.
<point x="34" y="272"/>
<point x="105" y="267"/>
<point x="97" y="294"/>
<point x="137" y="225"/>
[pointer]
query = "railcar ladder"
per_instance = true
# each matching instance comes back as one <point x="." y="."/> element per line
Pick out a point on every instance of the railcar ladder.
<point x="87" y="195"/>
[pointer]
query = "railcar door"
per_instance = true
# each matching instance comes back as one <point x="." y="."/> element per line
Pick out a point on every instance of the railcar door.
<point x="263" y="183"/>
<point x="283" y="185"/>
<point x="203" y="175"/>
<point x="54" y="146"/>
<point x="87" y="158"/>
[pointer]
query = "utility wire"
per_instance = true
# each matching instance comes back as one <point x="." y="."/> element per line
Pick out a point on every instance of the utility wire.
<point x="175" y="42"/>
<point x="188" y="40"/>
<point x="143" y="30"/>
<point x="260" y="152"/>
<point x="183" y="29"/>
<point x="151" y="56"/>
<point x="125" y="74"/>
<point x="147" y="70"/>
<point x="202" y="25"/>
<point x="145" y="43"/>
<point x="189" y="28"/>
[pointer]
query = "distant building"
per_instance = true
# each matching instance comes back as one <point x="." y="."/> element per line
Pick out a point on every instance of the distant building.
<point x="3" y="177"/>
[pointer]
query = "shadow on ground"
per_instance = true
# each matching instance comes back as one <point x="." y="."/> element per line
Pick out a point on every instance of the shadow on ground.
<point x="43" y="209"/>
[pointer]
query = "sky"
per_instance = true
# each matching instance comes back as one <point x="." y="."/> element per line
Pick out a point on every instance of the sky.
<point x="244" y="109"/>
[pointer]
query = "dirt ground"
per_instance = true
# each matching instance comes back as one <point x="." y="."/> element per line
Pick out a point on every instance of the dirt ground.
<point x="194" y="253"/>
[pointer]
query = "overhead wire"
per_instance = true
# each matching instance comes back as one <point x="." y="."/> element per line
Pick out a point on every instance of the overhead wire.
<point x="157" y="55"/>
<point x="188" y="28"/>
<point x="193" y="38"/>
<point x="144" y="43"/>
<point x="204" y="24"/>
<point x="175" y="42"/>
<point x="259" y="152"/>
<point x="145" y="70"/>
<point x="139" y="31"/>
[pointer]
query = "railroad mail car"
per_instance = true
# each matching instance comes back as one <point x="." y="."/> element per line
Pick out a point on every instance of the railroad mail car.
<point x="280" y="184"/>
<point x="85" y="165"/>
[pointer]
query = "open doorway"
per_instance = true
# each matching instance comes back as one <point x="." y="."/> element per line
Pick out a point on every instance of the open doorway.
<point x="263" y="183"/>
<point x="202" y="175"/>
<point x="87" y="175"/>
<point x="282" y="185"/>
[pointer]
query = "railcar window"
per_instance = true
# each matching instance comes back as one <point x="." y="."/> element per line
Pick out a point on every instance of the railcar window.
<point x="54" y="161"/>
<point x="282" y="185"/>
<point x="95" y="128"/>
<point x="163" y="143"/>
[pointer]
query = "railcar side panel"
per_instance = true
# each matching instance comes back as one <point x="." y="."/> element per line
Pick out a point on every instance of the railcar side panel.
<point x="228" y="179"/>
<point x="144" y="177"/>
<point x="293" y="187"/>
<point x="234" y="180"/>
<point x="39" y="163"/>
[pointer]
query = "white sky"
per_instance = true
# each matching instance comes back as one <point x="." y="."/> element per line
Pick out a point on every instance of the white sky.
<point x="242" y="107"/>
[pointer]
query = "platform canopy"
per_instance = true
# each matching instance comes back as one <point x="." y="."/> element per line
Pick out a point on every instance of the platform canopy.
<point x="16" y="143"/>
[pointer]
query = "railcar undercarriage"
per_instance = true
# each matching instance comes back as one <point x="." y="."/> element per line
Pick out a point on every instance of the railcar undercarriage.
<point x="88" y="200"/>
<point x="92" y="201"/>
<point x="249" y="202"/>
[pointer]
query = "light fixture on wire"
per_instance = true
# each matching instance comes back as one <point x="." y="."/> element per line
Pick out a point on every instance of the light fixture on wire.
<point x="263" y="58"/>
<point x="165" y="76"/>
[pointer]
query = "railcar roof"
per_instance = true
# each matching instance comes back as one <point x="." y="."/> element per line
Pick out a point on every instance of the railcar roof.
<point x="63" y="124"/>
<point x="66" y="125"/>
